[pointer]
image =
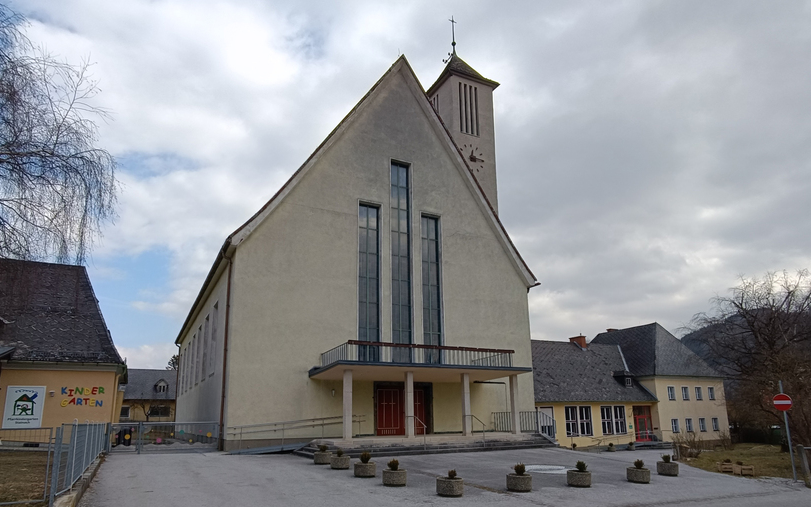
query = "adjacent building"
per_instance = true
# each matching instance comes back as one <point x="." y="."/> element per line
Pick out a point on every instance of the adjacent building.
<point x="378" y="288"/>
<point x="57" y="358"/>
<point x="149" y="396"/>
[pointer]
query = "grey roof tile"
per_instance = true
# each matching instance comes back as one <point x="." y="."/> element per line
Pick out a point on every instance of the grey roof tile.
<point x="461" y="68"/>
<point x="50" y="313"/>
<point x="564" y="372"/>
<point x="651" y="350"/>
<point x="141" y="384"/>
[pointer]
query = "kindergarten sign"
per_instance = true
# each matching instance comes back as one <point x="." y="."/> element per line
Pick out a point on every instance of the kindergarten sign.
<point x="82" y="396"/>
<point x="23" y="407"/>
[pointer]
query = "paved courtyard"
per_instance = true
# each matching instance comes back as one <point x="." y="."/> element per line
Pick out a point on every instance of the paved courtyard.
<point x="217" y="479"/>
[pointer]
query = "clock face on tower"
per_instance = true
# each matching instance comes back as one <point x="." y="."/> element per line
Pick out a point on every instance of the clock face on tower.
<point x="474" y="156"/>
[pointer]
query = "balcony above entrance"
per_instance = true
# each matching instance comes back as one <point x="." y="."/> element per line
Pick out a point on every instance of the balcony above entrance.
<point x="430" y="363"/>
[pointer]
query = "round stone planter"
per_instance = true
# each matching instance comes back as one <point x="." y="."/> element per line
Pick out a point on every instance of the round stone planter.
<point x="365" y="470"/>
<point x="578" y="479"/>
<point x="671" y="469"/>
<point x="394" y="477"/>
<point x="638" y="475"/>
<point x="449" y="487"/>
<point x="612" y="448"/>
<point x="339" y="462"/>
<point x="631" y="447"/>
<point x="519" y="483"/>
<point x="322" y="458"/>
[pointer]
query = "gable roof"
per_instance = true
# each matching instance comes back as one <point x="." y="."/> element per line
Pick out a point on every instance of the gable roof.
<point x="651" y="350"/>
<point x="141" y="384"/>
<point x="401" y="67"/>
<point x="50" y="313"/>
<point x="563" y="371"/>
<point x="459" y="67"/>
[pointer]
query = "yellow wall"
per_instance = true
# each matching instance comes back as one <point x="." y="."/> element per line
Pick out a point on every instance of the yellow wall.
<point x="61" y="376"/>
<point x="682" y="409"/>
<point x="597" y="438"/>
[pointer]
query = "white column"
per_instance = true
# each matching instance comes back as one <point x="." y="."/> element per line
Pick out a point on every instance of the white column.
<point x="347" y="405"/>
<point x="467" y="421"/>
<point x="514" y="404"/>
<point x="409" y="404"/>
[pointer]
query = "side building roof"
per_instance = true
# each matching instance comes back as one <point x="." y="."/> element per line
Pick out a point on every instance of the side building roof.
<point x="563" y="371"/>
<point x="49" y="312"/>
<point x="651" y="350"/>
<point x="141" y="384"/>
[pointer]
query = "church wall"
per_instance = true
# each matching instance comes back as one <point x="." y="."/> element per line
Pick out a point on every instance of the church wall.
<point x="294" y="291"/>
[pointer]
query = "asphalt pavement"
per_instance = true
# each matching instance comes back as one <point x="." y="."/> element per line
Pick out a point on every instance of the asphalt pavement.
<point x="218" y="479"/>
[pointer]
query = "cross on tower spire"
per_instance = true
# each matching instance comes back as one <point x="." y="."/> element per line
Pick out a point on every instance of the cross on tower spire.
<point x="453" y="40"/>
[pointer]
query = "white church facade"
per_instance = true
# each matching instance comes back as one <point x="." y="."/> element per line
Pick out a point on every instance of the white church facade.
<point x="377" y="289"/>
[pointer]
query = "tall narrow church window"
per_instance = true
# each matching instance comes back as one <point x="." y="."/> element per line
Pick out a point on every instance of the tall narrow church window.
<point x="431" y="313"/>
<point x="400" y="263"/>
<point x="368" y="280"/>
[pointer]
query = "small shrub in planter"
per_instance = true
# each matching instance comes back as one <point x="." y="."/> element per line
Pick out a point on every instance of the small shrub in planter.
<point x="574" y="446"/>
<point x="611" y="447"/>
<point x="666" y="467"/>
<point x="638" y="473"/>
<point x="579" y="478"/>
<point x="365" y="468"/>
<point x="322" y="455"/>
<point x="339" y="461"/>
<point x="450" y="485"/>
<point x="394" y="476"/>
<point x="631" y="446"/>
<point x="520" y="481"/>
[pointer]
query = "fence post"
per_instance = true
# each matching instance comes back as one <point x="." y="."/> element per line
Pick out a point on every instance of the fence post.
<point x="140" y="435"/>
<point x="801" y="451"/>
<point x="55" y="467"/>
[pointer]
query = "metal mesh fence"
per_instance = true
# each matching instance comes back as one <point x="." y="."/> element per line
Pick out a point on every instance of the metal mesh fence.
<point x="164" y="437"/>
<point x="25" y="462"/>
<point x="76" y="446"/>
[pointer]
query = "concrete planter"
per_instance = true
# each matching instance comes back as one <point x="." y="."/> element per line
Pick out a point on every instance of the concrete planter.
<point x="449" y="487"/>
<point x="578" y="479"/>
<point x="671" y="469"/>
<point x="612" y="448"/>
<point x="365" y="470"/>
<point x="638" y="475"/>
<point x="519" y="483"/>
<point x="394" y="477"/>
<point x="631" y="447"/>
<point x="322" y="458"/>
<point x="339" y="463"/>
<point x="724" y="467"/>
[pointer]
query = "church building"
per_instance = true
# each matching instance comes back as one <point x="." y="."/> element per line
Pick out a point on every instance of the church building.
<point x="377" y="293"/>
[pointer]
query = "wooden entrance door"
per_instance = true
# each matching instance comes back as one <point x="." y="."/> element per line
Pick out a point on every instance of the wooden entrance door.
<point x="390" y="413"/>
<point x="643" y="424"/>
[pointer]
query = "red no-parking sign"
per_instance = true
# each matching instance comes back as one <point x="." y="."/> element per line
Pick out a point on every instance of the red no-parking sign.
<point x="782" y="402"/>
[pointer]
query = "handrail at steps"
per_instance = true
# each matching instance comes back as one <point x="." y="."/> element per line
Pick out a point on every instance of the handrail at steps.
<point x="424" y="431"/>
<point x="290" y="425"/>
<point x="484" y="426"/>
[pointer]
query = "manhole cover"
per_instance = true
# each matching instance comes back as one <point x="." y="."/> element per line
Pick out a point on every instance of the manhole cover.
<point x="547" y="469"/>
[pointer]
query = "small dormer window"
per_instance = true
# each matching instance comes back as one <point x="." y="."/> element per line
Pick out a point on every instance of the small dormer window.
<point x="161" y="386"/>
<point x="629" y="382"/>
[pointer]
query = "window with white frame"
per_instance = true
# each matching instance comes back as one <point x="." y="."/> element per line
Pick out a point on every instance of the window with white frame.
<point x="715" y="424"/>
<point x="214" y="321"/>
<point x="585" y="421"/>
<point x="671" y="393"/>
<point x="629" y="382"/>
<point x="698" y="393"/>
<point x="619" y="420"/>
<point x="204" y="363"/>
<point x="711" y="393"/>
<point x="674" y="425"/>
<point x="688" y="425"/>
<point x="607" y="414"/>
<point x="161" y="386"/>
<point x="125" y="412"/>
<point x="200" y="368"/>
<point x="194" y="358"/>
<point x="702" y="424"/>
<point x="685" y="393"/>
<point x="571" y="421"/>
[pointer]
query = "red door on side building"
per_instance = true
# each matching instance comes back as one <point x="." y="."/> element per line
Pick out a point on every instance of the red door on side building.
<point x="643" y="425"/>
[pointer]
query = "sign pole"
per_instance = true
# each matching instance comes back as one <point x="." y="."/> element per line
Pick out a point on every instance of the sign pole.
<point x="788" y="435"/>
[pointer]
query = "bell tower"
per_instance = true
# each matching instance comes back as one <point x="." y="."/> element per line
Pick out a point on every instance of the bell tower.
<point x="463" y="98"/>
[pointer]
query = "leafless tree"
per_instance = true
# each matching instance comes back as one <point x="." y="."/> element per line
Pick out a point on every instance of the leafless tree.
<point x="56" y="186"/>
<point x="760" y="334"/>
<point x="174" y="362"/>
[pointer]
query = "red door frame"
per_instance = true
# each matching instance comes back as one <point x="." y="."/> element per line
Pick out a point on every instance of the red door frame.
<point x="643" y="425"/>
<point x="390" y="410"/>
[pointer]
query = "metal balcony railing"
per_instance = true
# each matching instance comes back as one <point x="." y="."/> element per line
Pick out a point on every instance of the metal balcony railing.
<point x="402" y="353"/>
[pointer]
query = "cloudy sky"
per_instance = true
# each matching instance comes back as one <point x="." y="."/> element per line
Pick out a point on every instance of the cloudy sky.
<point x="649" y="152"/>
